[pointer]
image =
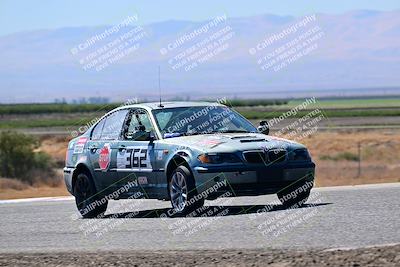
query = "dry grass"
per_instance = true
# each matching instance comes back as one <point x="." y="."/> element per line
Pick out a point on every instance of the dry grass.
<point x="29" y="191"/>
<point x="56" y="146"/>
<point x="12" y="184"/>
<point x="380" y="161"/>
<point x="380" y="157"/>
<point x="14" y="188"/>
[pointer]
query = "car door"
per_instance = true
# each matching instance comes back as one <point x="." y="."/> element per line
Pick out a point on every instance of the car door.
<point x="103" y="148"/>
<point x="135" y="156"/>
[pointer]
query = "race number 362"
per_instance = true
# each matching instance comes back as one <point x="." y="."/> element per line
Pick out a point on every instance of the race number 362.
<point x="133" y="158"/>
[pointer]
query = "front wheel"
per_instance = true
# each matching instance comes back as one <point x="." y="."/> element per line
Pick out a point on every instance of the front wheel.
<point x="86" y="201"/>
<point x="182" y="191"/>
<point x="295" y="195"/>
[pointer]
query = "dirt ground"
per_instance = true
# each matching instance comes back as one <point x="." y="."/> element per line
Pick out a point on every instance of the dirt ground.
<point x="336" y="154"/>
<point x="41" y="191"/>
<point x="374" y="156"/>
<point x="376" y="256"/>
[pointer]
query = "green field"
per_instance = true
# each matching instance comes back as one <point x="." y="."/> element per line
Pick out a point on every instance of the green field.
<point x="327" y="113"/>
<point x="14" y="124"/>
<point x="79" y="114"/>
<point x="8" y="109"/>
<point x="349" y="103"/>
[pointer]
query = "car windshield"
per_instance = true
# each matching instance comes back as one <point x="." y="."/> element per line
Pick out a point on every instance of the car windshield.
<point x="200" y="120"/>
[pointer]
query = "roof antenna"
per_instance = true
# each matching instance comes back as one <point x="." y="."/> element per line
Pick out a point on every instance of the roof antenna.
<point x="159" y="86"/>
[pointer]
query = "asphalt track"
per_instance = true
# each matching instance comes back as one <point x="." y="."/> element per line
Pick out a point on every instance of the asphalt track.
<point x="335" y="217"/>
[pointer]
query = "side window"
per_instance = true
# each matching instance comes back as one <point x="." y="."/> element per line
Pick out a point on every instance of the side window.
<point x="113" y="125"/>
<point x="96" y="133"/>
<point x="138" y="126"/>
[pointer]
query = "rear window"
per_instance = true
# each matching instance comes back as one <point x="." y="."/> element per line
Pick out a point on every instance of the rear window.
<point x="109" y="128"/>
<point x="96" y="134"/>
<point x="113" y="125"/>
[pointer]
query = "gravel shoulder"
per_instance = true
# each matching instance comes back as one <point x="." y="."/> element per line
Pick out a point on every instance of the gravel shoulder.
<point x="373" y="256"/>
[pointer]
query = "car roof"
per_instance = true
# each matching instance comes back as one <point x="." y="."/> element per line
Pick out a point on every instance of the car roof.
<point x="172" y="104"/>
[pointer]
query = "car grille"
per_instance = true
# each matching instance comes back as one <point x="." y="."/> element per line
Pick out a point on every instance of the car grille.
<point x="271" y="156"/>
<point x="255" y="156"/>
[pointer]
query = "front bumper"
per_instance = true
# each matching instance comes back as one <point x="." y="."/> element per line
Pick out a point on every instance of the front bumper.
<point x="245" y="180"/>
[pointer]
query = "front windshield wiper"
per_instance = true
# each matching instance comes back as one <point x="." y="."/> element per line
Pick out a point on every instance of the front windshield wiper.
<point x="232" y="131"/>
<point x="177" y="134"/>
<point x="194" y="133"/>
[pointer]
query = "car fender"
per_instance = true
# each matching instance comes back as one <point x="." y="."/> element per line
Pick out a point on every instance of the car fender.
<point x="180" y="154"/>
<point x="83" y="164"/>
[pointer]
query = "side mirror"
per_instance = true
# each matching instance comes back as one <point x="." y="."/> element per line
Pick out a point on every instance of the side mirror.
<point x="264" y="127"/>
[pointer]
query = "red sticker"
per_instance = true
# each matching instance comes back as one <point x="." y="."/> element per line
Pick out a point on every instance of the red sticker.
<point x="104" y="157"/>
<point x="80" y="145"/>
<point x="82" y="140"/>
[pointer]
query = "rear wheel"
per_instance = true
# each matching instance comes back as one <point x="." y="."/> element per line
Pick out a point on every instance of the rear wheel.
<point x="86" y="200"/>
<point x="295" y="195"/>
<point x="182" y="191"/>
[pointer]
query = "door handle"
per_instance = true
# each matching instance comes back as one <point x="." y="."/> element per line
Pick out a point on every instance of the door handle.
<point x="121" y="147"/>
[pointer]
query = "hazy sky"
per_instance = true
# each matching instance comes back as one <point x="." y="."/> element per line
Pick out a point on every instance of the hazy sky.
<point x="17" y="15"/>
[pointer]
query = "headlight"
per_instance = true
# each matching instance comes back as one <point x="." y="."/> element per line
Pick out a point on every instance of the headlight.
<point x="299" y="154"/>
<point x="218" y="158"/>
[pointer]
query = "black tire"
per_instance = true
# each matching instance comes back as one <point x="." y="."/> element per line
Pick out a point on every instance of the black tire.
<point x="86" y="200"/>
<point x="193" y="200"/>
<point x="295" y="195"/>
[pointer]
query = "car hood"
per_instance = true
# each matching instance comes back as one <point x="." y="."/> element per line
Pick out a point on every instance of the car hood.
<point x="232" y="142"/>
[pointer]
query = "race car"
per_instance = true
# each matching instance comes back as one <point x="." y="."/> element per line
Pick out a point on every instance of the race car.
<point x="184" y="152"/>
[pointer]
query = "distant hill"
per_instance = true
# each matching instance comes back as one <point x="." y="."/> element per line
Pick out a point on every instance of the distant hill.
<point x="358" y="49"/>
